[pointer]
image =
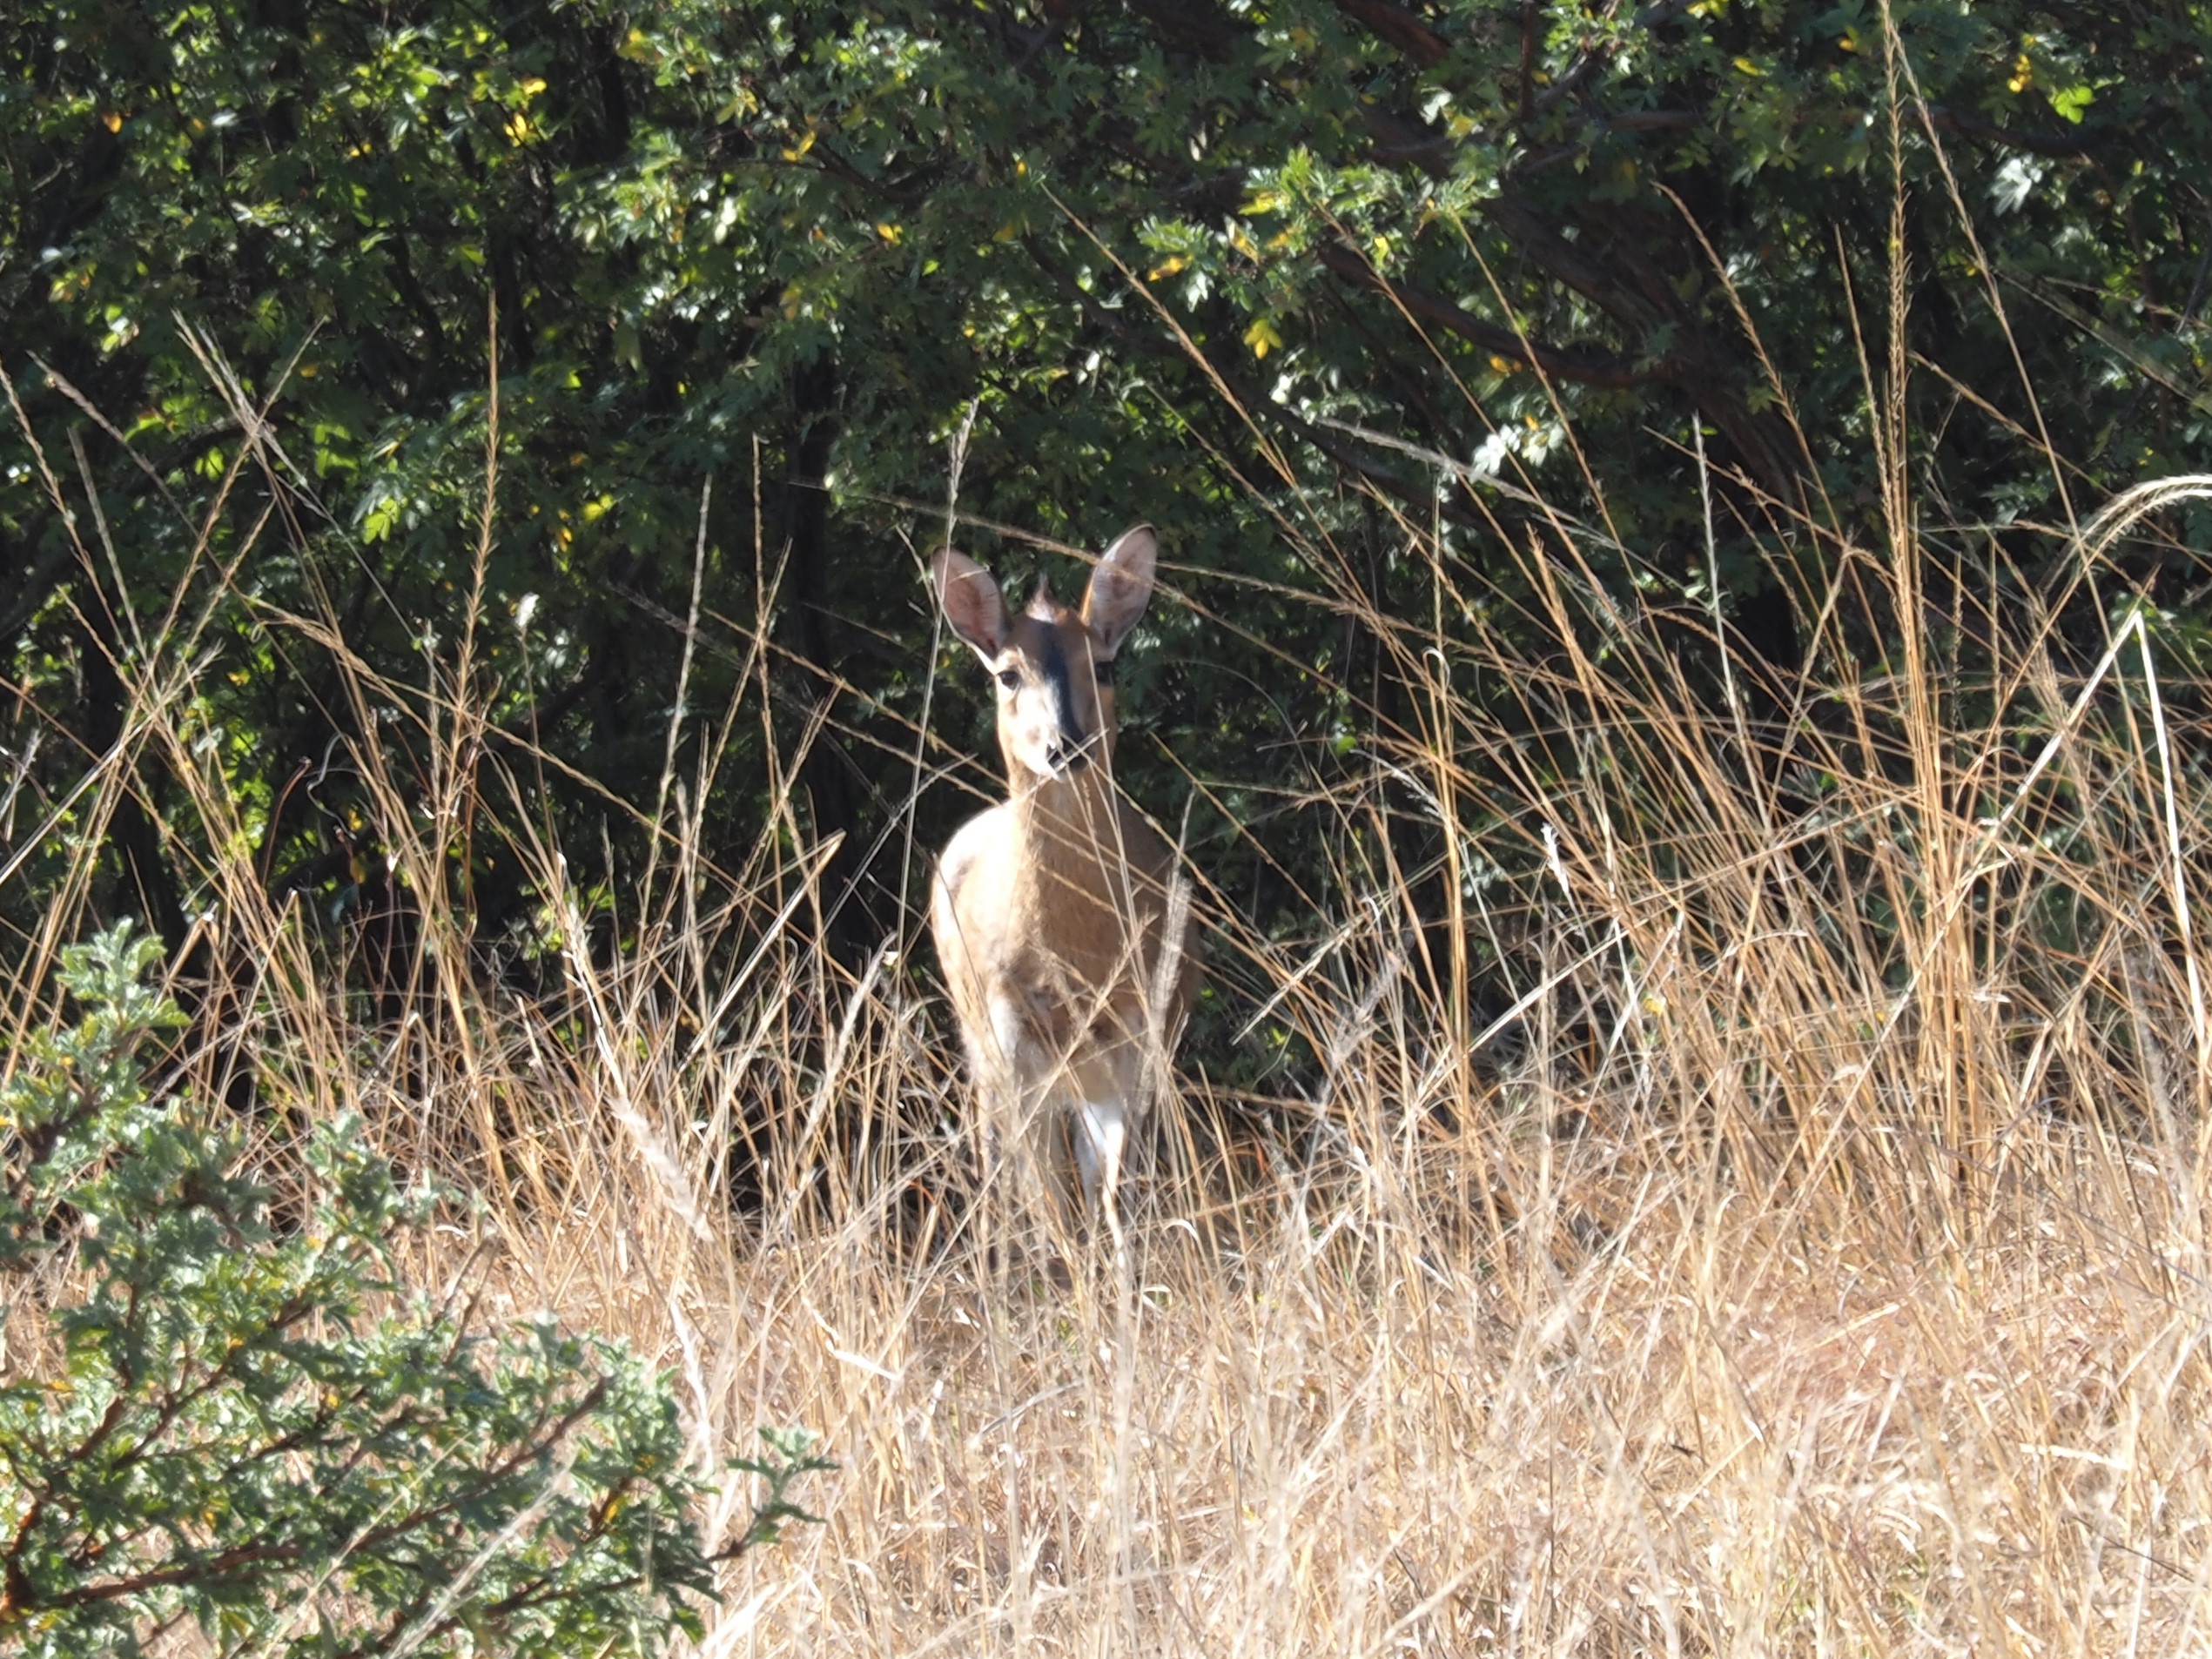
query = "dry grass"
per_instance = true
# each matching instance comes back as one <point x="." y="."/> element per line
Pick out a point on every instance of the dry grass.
<point x="1813" y="1261"/>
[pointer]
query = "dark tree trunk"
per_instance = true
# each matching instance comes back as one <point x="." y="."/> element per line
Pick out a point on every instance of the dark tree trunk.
<point x="146" y="888"/>
<point x="836" y="798"/>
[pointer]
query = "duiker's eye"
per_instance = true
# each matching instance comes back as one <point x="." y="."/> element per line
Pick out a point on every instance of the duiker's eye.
<point x="1103" y="666"/>
<point x="1010" y="678"/>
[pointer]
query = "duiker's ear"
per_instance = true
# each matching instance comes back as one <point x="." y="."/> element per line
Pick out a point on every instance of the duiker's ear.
<point x="971" y="602"/>
<point x="1121" y="586"/>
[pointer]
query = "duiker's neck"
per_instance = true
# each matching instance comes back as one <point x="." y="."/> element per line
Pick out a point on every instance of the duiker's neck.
<point x="1070" y="814"/>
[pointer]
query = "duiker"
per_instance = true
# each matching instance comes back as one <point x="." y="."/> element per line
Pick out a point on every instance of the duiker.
<point x="1069" y="968"/>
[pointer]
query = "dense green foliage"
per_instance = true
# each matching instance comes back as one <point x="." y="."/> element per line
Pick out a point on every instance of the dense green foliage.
<point x="257" y="1430"/>
<point x="1236" y="268"/>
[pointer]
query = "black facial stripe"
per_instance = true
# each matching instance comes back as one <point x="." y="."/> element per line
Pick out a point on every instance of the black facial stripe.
<point x="1054" y="671"/>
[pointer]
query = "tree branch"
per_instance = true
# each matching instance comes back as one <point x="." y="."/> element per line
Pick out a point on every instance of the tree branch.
<point x="1413" y="40"/>
<point x="2078" y="141"/>
<point x="1582" y="367"/>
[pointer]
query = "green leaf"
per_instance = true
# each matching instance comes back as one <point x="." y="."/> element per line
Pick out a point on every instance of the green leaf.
<point x="2072" y="103"/>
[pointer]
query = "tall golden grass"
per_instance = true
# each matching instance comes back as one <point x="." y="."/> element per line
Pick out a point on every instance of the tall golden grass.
<point x="1809" y="1256"/>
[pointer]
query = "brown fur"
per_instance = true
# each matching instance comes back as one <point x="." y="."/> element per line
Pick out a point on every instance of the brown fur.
<point x="1049" y="910"/>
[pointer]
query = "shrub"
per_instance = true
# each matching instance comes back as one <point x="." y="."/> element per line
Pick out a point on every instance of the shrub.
<point x="258" y="1430"/>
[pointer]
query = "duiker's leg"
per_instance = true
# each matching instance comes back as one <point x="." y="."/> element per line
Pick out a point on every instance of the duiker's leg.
<point x="1068" y="1130"/>
<point x="1109" y="1125"/>
<point x="1101" y="1136"/>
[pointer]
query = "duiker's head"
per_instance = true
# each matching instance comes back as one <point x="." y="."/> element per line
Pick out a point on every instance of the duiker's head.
<point x="1055" y="666"/>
